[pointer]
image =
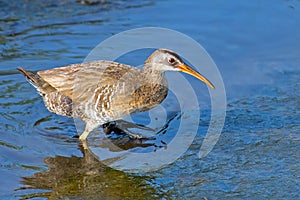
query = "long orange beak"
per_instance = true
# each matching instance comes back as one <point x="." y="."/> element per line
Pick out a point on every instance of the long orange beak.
<point x="186" y="69"/>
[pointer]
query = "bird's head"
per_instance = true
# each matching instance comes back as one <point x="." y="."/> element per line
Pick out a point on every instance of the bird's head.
<point x="166" y="60"/>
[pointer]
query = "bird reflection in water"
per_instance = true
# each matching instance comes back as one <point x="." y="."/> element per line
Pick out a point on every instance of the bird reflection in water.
<point x="87" y="178"/>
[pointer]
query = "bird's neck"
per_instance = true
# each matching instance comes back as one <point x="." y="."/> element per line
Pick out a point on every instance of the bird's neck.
<point x="153" y="75"/>
<point x="152" y="89"/>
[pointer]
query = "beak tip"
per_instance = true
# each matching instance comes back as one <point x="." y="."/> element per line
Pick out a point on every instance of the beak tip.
<point x="186" y="69"/>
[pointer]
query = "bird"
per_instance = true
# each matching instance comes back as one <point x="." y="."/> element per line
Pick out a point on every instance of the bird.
<point x="102" y="91"/>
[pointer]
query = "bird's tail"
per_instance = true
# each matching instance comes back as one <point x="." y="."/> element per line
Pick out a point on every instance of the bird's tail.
<point x="33" y="78"/>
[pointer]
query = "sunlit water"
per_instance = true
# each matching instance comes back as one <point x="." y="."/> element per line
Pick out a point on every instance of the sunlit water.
<point x="255" y="44"/>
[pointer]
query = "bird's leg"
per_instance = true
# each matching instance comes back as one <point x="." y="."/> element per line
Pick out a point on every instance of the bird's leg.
<point x="89" y="127"/>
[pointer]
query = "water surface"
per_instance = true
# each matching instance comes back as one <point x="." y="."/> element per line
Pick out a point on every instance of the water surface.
<point x="255" y="44"/>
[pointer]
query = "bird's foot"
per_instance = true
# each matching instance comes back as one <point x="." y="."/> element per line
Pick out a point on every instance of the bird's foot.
<point x="109" y="127"/>
<point x="122" y="128"/>
<point x="135" y="136"/>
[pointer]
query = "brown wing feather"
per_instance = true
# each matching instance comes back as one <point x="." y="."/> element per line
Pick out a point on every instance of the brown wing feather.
<point x="79" y="81"/>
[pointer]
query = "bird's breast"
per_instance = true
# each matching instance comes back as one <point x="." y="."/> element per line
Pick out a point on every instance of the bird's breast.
<point x="147" y="96"/>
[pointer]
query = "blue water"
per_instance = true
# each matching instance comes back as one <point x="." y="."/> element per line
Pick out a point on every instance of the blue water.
<point x="256" y="46"/>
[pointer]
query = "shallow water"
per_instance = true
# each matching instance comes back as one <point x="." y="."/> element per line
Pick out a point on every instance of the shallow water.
<point x="256" y="48"/>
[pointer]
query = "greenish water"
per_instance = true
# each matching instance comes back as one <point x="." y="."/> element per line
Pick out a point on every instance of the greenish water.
<point x="256" y="46"/>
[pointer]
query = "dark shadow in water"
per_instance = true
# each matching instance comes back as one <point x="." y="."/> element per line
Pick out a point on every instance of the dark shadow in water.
<point x="87" y="178"/>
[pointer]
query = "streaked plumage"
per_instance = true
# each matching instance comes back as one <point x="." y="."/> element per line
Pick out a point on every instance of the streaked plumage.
<point x="102" y="91"/>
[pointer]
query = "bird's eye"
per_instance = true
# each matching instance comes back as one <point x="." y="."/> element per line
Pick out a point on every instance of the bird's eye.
<point x="171" y="60"/>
